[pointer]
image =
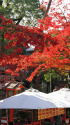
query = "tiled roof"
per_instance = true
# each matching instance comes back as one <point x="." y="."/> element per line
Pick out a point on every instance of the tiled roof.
<point x="13" y="84"/>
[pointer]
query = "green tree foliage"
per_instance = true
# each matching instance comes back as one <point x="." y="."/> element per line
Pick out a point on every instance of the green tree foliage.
<point x="54" y="75"/>
<point x="25" y="11"/>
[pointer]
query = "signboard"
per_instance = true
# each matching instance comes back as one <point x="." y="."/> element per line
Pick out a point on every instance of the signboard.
<point x="48" y="113"/>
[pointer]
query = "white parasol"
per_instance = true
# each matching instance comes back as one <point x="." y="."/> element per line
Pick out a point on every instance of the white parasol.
<point x="34" y="99"/>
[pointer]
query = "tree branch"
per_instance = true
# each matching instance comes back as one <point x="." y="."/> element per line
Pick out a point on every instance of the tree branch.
<point x="18" y="20"/>
<point x="48" y="7"/>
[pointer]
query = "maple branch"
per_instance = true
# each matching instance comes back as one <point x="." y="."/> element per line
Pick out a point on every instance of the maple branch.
<point x="64" y="16"/>
<point x="59" y="21"/>
<point x="48" y="7"/>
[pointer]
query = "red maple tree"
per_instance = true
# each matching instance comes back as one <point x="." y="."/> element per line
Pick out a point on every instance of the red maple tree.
<point x="51" y="40"/>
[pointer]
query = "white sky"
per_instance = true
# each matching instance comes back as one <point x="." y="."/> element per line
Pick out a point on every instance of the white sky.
<point x="60" y="7"/>
<point x="56" y="0"/>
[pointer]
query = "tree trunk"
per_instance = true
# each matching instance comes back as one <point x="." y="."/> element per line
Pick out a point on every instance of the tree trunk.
<point x="48" y="7"/>
<point x="2" y="43"/>
<point x="37" y="82"/>
<point x="50" y="80"/>
<point x="0" y="2"/>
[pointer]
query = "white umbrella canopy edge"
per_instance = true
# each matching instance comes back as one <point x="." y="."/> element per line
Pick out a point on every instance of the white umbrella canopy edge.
<point x="62" y="96"/>
<point x="31" y="99"/>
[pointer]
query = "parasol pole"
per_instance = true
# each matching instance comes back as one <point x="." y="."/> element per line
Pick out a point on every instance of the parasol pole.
<point x="7" y="110"/>
<point x="32" y="116"/>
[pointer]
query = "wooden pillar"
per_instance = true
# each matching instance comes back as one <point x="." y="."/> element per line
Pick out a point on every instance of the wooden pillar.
<point x="7" y="109"/>
<point x="12" y="111"/>
<point x="40" y="122"/>
<point x="0" y="109"/>
<point x="11" y="115"/>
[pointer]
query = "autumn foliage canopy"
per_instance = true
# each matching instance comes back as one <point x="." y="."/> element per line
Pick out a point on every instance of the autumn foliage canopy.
<point x="51" y="38"/>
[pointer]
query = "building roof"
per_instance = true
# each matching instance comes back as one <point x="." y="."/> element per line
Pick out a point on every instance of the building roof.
<point x="13" y="85"/>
